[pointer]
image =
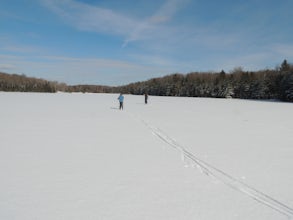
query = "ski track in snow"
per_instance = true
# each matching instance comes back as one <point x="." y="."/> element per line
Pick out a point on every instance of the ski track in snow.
<point x="218" y="174"/>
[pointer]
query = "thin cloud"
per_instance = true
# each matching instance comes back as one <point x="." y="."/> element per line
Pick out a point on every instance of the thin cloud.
<point x="103" y="20"/>
<point x="20" y="49"/>
<point x="91" y="18"/>
<point x="74" y="70"/>
<point x="285" y="50"/>
<point x="149" y="25"/>
<point x="6" y="67"/>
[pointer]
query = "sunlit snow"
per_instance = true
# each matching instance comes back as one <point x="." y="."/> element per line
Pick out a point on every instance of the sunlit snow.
<point x="77" y="156"/>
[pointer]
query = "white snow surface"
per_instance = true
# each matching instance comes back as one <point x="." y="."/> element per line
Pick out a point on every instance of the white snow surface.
<point x="77" y="156"/>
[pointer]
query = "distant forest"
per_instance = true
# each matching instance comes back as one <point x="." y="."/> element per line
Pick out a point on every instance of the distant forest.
<point x="263" y="84"/>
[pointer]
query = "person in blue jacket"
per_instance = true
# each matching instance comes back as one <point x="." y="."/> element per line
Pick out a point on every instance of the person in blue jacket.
<point x="121" y="99"/>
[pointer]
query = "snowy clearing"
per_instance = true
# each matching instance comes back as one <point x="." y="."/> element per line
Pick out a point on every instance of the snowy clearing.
<point x="77" y="156"/>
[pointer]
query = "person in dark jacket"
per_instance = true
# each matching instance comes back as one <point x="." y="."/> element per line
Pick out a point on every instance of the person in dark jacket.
<point x="146" y="96"/>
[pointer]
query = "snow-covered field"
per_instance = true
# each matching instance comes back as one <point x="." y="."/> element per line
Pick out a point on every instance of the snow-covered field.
<point x="76" y="156"/>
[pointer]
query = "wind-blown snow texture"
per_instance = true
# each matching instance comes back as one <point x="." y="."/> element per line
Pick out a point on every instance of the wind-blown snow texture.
<point x="76" y="156"/>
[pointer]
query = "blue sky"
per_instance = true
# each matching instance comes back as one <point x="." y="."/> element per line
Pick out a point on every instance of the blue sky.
<point x="113" y="42"/>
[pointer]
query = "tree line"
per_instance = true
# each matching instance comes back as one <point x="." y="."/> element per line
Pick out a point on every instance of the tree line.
<point x="22" y="83"/>
<point x="262" y="84"/>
